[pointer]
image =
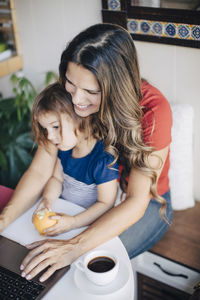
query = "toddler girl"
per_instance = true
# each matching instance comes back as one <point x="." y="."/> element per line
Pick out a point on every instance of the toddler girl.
<point x="84" y="173"/>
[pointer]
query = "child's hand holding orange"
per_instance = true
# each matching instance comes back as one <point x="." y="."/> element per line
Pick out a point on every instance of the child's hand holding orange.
<point x="43" y="205"/>
<point x="42" y="221"/>
<point x="63" y="223"/>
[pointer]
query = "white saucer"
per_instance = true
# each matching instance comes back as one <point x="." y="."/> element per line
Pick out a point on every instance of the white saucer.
<point x="117" y="284"/>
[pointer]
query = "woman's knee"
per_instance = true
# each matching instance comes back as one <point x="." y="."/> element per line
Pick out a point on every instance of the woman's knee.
<point x="144" y="234"/>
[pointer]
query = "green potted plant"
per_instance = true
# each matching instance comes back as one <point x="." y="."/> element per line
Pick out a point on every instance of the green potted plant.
<point x="16" y="146"/>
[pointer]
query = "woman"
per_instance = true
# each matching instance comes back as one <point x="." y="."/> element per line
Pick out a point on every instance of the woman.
<point x="99" y="68"/>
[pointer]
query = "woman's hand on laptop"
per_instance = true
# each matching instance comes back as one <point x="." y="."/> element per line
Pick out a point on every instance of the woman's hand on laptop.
<point x="54" y="254"/>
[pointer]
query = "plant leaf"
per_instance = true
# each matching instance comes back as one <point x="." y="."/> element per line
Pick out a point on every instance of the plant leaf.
<point x="24" y="140"/>
<point x="3" y="160"/>
<point x="50" y="77"/>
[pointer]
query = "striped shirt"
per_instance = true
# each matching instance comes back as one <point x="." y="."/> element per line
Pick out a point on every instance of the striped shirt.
<point x="82" y="175"/>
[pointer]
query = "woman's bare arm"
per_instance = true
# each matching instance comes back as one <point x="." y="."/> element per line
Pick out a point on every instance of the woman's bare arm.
<point x="30" y="186"/>
<point x="52" y="189"/>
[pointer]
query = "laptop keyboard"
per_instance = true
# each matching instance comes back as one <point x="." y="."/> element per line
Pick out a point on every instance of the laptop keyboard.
<point x="13" y="286"/>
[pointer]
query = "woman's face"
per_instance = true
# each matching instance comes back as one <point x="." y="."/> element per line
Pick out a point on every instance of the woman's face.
<point x="51" y="123"/>
<point x="84" y="89"/>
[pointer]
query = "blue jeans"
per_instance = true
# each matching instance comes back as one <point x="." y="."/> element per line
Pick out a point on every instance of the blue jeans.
<point x="144" y="234"/>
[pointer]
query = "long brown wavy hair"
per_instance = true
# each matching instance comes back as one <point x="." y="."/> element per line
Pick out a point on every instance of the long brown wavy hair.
<point x="108" y="51"/>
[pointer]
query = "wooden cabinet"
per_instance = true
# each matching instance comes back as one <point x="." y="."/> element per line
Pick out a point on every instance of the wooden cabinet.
<point x="150" y="289"/>
<point x="9" y="32"/>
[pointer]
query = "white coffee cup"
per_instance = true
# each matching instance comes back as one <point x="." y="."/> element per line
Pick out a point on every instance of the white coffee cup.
<point x="100" y="266"/>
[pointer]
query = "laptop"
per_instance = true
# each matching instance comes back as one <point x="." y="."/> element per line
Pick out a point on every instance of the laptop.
<point x="12" y="285"/>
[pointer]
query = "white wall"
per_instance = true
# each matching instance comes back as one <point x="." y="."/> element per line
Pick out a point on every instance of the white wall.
<point x="45" y="26"/>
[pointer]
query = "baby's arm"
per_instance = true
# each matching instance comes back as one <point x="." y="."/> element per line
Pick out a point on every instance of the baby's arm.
<point x="105" y="177"/>
<point x="106" y="198"/>
<point x="52" y="189"/>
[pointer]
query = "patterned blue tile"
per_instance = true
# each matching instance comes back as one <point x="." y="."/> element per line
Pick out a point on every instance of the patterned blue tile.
<point x="157" y="28"/>
<point x="183" y="31"/>
<point x="145" y="26"/>
<point x="114" y="5"/>
<point x="132" y="25"/>
<point x="170" y="29"/>
<point x="196" y="32"/>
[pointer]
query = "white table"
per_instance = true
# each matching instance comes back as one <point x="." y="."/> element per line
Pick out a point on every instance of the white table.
<point x="74" y="285"/>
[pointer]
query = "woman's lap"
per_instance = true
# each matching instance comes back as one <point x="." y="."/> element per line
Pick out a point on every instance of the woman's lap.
<point x="144" y="234"/>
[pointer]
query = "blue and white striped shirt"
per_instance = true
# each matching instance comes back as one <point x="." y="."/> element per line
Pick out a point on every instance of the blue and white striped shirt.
<point x="82" y="175"/>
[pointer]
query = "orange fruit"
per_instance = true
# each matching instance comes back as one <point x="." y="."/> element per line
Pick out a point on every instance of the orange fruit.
<point x="41" y="220"/>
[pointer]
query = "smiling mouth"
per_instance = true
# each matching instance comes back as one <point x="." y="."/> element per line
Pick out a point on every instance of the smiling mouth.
<point x="81" y="107"/>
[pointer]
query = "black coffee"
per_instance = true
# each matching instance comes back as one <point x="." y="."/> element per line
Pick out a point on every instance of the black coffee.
<point x="101" y="264"/>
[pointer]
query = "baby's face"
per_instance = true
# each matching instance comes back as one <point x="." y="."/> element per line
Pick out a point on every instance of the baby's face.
<point x="61" y="132"/>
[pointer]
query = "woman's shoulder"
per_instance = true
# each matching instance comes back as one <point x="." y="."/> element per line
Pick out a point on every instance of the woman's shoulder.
<point x="153" y="98"/>
<point x="152" y="95"/>
<point x="157" y="117"/>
